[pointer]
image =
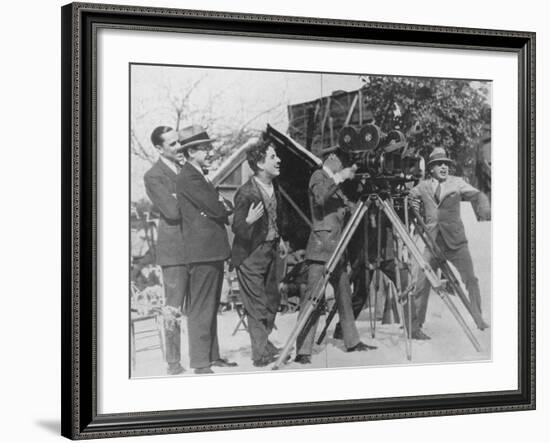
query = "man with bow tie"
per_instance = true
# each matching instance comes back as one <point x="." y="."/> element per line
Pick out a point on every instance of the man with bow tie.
<point x="160" y="185"/>
<point x="204" y="214"/>
<point x="441" y="195"/>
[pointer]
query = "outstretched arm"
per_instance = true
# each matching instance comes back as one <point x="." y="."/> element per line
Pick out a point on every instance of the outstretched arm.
<point x="480" y="202"/>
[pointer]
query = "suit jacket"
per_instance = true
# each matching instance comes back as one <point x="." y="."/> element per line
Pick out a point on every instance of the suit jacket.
<point x="444" y="218"/>
<point x="328" y="209"/>
<point x="160" y="185"/>
<point x="249" y="237"/>
<point x="203" y="218"/>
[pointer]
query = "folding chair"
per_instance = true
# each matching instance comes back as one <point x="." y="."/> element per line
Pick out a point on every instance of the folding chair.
<point x="235" y="301"/>
<point x="241" y="312"/>
<point x="156" y="330"/>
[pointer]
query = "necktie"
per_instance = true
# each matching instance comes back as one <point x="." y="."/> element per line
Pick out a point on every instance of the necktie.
<point x="437" y="195"/>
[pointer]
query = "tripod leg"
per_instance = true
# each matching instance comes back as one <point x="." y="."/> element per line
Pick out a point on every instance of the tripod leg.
<point x="367" y="270"/>
<point x="372" y="301"/>
<point x="448" y="272"/>
<point x="328" y="321"/>
<point x="426" y="268"/>
<point x="396" y="297"/>
<point x="456" y="313"/>
<point x="378" y="269"/>
<point x="319" y="288"/>
<point x="405" y="258"/>
<point x="409" y="318"/>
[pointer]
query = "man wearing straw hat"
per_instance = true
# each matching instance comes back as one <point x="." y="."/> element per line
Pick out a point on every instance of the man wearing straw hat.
<point x="441" y="195"/>
<point x="204" y="215"/>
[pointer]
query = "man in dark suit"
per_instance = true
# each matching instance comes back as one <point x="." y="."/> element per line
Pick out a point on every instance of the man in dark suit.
<point x="204" y="215"/>
<point x="328" y="208"/>
<point x="160" y="185"/>
<point x="441" y="195"/>
<point x="257" y="224"/>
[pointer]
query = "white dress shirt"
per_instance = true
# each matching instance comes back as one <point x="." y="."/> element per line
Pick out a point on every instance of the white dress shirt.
<point x="172" y="165"/>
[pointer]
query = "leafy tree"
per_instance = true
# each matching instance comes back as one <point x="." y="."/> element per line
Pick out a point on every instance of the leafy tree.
<point x="432" y="112"/>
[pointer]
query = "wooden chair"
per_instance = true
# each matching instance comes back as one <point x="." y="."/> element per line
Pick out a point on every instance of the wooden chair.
<point x="154" y="330"/>
<point x="237" y="305"/>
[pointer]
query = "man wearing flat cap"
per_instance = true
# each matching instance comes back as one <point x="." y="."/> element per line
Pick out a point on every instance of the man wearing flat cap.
<point x="160" y="185"/>
<point x="328" y="208"/>
<point x="441" y="195"/>
<point x="204" y="214"/>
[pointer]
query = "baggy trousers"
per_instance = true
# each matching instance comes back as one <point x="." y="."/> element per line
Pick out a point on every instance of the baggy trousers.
<point x="462" y="261"/>
<point x="342" y="292"/>
<point x="175" y="280"/>
<point x="204" y="291"/>
<point x="260" y="296"/>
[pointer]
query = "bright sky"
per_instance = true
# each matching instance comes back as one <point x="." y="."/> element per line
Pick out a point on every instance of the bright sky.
<point x="222" y="99"/>
<point x="231" y="93"/>
<point x="229" y="97"/>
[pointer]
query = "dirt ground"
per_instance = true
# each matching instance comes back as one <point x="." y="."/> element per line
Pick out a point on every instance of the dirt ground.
<point x="448" y="344"/>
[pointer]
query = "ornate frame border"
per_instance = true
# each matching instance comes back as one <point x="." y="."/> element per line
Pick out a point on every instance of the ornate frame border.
<point x="79" y="170"/>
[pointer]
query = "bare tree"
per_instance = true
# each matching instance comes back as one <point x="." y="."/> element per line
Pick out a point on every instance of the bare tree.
<point x="179" y="100"/>
<point x="138" y="149"/>
<point x="177" y="104"/>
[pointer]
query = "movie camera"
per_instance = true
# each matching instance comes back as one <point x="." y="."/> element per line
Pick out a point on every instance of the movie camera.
<point x="380" y="155"/>
<point x="385" y="166"/>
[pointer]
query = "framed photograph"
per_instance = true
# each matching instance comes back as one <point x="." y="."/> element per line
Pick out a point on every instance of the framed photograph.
<point x="272" y="221"/>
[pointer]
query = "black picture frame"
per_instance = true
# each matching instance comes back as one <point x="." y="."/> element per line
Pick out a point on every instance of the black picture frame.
<point x="79" y="211"/>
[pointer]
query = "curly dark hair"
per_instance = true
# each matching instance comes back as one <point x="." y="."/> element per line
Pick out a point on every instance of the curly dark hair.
<point x="257" y="152"/>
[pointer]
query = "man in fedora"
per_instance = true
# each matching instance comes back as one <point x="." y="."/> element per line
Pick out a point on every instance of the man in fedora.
<point x="441" y="195"/>
<point x="204" y="214"/>
<point x="160" y="185"/>
<point x="258" y="228"/>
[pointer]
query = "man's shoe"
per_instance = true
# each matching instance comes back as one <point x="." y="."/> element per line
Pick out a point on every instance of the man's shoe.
<point x="482" y="325"/>
<point x="283" y="309"/>
<point x="205" y="370"/>
<point x="264" y="361"/>
<point x="420" y="335"/>
<point x="337" y="335"/>
<point x="175" y="369"/>
<point x="303" y="359"/>
<point x="272" y="349"/>
<point x="361" y="347"/>
<point x="224" y="363"/>
<point x="287" y="359"/>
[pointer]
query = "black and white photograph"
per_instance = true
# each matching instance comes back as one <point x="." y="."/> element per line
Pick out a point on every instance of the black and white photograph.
<point x="296" y="221"/>
<point x="274" y="220"/>
<point x="291" y="221"/>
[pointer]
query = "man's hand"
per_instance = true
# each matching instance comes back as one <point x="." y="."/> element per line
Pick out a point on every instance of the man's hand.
<point x="226" y="204"/>
<point x="255" y="213"/>
<point x="415" y="203"/>
<point x="347" y="173"/>
<point x="283" y="249"/>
